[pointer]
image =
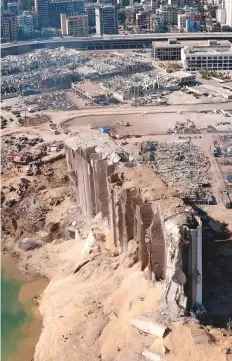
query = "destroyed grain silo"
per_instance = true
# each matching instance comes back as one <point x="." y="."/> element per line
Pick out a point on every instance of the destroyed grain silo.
<point x="141" y="210"/>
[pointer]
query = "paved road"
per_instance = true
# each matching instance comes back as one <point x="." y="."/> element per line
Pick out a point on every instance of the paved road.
<point x="185" y="36"/>
<point x="188" y="108"/>
<point x="63" y="116"/>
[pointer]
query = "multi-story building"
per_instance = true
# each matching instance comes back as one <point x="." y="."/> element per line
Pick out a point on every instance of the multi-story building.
<point x="181" y="3"/>
<point x="151" y="5"/>
<point x="228" y="7"/>
<point x="106" y="19"/>
<point x="156" y="23"/>
<point x="169" y="14"/>
<point x="25" y="23"/>
<point x="9" y="29"/>
<point x="13" y="7"/>
<point x="143" y="21"/>
<point x="75" y="25"/>
<point x="41" y="11"/>
<point x="211" y="25"/>
<point x="131" y="11"/>
<point x="214" y="56"/>
<point x="194" y="17"/>
<point x="221" y="16"/>
<point x="69" y="7"/>
<point x="90" y="10"/>
<point x="167" y="51"/>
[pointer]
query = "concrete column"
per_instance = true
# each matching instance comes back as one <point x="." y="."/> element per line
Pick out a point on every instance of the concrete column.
<point x="199" y="264"/>
<point x="157" y="248"/>
<point x="94" y="158"/>
<point x="195" y="264"/>
<point x="81" y="185"/>
<point x="101" y="171"/>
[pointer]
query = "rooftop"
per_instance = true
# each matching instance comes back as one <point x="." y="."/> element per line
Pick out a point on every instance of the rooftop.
<point x="218" y="47"/>
<point x="88" y="138"/>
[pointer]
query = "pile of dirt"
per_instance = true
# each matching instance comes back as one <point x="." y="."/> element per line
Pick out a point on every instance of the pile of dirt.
<point x="87" y="313"/>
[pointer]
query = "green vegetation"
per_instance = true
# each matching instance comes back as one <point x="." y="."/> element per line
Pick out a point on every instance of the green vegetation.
<point x="27" y="4"/>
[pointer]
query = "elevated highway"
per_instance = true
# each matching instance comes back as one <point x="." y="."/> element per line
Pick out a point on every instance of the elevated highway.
<point x="108" y="42"/>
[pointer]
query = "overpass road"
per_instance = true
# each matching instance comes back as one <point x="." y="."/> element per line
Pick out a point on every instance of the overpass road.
<point x="109" y="42"/>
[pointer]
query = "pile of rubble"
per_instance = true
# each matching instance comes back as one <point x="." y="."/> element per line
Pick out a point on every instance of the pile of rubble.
<point x="38" y="81"/>
<point x="51" y="69"/>
<point x="40" y="59"/>
<point x="187" y="126"/>
<point x="182" y="165"/>
<point x="18" y="151"/>
<point x="52" y="101"/>
<point x="140" y="85"/>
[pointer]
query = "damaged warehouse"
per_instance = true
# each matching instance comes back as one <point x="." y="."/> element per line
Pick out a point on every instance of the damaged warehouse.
<point x="145" y="216"/>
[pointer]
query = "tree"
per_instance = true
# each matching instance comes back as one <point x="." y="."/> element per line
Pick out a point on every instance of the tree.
<point x="27" y="4"/>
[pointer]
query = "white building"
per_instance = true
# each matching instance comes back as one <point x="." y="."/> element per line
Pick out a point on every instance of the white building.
<point x="214" y="56"/>
<point x="228" y="7"/>
<point x="74" y="25"/>
<point x="221" y="16"/>
<point x="25" y="23"/>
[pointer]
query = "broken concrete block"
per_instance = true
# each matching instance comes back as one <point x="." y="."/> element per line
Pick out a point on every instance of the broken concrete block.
<point x="157" y="346"/>
<point x="150" y="355"/>
<point x="148" y="326"/>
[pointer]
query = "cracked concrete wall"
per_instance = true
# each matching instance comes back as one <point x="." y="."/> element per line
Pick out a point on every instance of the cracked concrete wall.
<point x="174" y="301"/>
<point x="88" y="174"/>
<point x="100" y="187"/>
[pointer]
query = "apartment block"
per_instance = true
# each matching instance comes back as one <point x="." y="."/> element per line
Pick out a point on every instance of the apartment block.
<point x="143" y="21"/>
<point x="228" y="8"/>
<point x="13" y="7"/>
<point x="75" y="25"/>
<point x="106" y="19"/>
<point x="90" y="10"/>
<point x="194" y="17"/>
<point x="25" y="23"/>
<point x="169" y="14"/>
<point x="69" y="7"/>
<point x="41" y="11"/>
<point x="221" y="16"/>
<point x="9" y="29"/>
<point x="214" y="56"/>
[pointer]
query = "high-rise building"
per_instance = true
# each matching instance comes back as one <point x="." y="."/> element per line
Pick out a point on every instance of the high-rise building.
<point x="25" y="23"/>
<point x="151" y="5"/>
<point x="90" y="9"/>
<point x="13" y="7"/>
<point x="143" y="21"/>
<point x="183" y="19"/>
<point x="106" y="19"/>
<point x="169" y="14"/>
<point x="69" y="7"/>
<point x="9" y="29"/>
<point x="75" y="25"/>
<point x="228" y="7"/>
<point x="41" y="10"/>
<point x="221" y="16"/>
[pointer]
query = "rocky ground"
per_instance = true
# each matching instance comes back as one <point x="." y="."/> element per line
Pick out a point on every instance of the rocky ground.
<point x="93" y="292"/>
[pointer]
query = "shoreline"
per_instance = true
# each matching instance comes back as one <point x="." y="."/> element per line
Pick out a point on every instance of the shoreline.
<point x="30" y="288"/>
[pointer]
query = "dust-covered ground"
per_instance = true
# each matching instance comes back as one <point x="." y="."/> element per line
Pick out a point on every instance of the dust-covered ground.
<point x="93" y="291"/>
<point x="92" y="296"/>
